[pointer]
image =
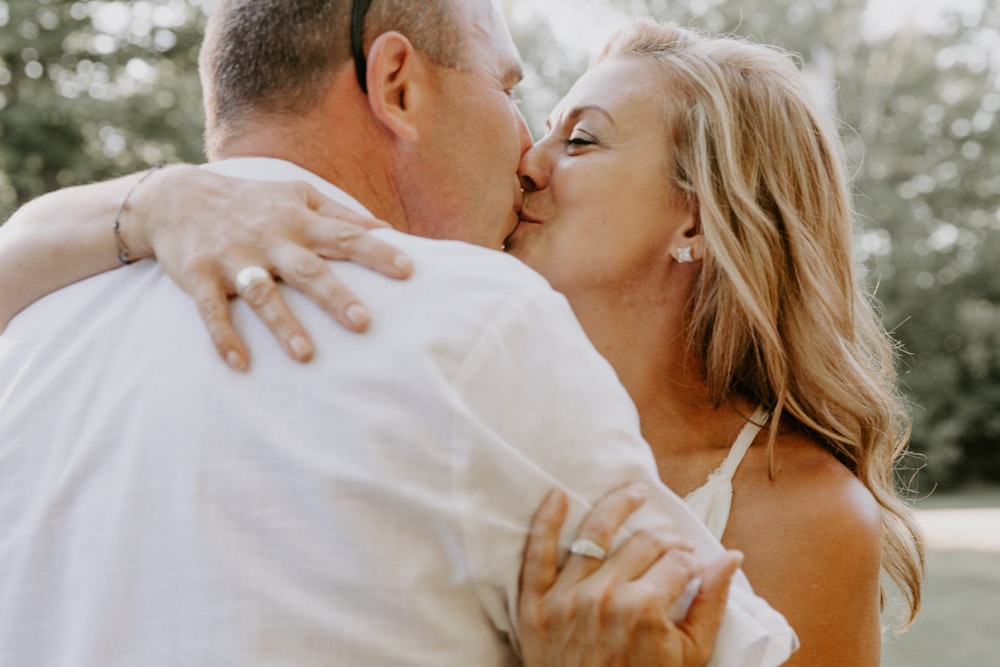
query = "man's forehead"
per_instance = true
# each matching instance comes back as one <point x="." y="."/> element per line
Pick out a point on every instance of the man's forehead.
<point x="489" y="33"/>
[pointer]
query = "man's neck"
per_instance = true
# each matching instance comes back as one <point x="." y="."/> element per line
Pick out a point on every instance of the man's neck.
<point x="349" y="162"/>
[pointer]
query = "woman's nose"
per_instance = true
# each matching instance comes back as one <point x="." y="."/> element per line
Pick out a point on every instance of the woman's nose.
<point x="534" y="168"/>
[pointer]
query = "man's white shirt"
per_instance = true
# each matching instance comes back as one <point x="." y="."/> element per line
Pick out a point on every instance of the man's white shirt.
<point x="368" y="508"/>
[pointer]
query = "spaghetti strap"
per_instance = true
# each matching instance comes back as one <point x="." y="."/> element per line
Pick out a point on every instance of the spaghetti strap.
<point x="713" y="500"/>
<point x="742" y="444"/>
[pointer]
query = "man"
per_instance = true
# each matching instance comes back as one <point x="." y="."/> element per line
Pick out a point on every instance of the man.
<point x="369" y="508"/>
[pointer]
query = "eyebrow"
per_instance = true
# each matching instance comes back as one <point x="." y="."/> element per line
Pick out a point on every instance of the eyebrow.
<point x="576" y="112"/>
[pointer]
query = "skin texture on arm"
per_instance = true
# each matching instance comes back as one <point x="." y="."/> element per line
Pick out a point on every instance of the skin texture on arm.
<point x="189" y="214"/>
<point x="59" y="239"/>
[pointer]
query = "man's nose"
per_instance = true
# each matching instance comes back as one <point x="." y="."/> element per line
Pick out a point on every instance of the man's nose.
<point x="524" y="133"/>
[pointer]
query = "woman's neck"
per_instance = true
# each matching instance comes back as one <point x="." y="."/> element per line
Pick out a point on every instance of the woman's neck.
<point x="646" y="343"/>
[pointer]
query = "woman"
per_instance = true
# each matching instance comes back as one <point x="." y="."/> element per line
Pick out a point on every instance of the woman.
<point x="690" y="202"/>
<point x="703" y="236"/>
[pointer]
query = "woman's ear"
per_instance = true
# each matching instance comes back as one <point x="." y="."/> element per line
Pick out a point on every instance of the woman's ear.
<point x="688" y="243"/>
<point x="397" y="79"/>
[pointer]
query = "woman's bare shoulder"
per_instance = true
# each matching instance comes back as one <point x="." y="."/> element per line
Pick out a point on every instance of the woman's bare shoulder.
<point x="810" y="491"/>
<point x="812" y="536"/>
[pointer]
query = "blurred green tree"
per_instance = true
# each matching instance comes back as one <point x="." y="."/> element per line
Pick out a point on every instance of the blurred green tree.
<point x="930" y="182"/>
<point x="90" y="90"/>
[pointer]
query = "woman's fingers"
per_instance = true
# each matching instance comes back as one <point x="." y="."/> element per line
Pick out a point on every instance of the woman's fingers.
<point x="213" y="306"/>
<point x="539" y="573"/>
<point x="600" y="527"/>
<point x="222" y="225"/>
<point x="540" y="566"/>
<point x="312" y="275"/>
<point x="639" y="584"/>
<point x="212" y="296"/>
<point x="329" y="208"/>
<point x="666" y="582"/>
<point x="701" y="626"/>
<point x="336" y="239"/>
<point x="600" y="610"/>
<point x="264" y="297"/>
<point x="336" y="232"/>
<point x="327" y="230"/>
<point x="642" y="551"/>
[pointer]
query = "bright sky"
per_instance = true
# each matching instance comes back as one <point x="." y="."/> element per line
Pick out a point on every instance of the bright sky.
<point x="585" y="24"/>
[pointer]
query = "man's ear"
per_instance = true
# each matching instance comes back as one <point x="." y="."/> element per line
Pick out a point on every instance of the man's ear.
<point x="398" y="80"/>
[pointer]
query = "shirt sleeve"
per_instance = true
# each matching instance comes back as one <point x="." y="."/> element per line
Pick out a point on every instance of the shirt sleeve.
<point x="542" y="410"/>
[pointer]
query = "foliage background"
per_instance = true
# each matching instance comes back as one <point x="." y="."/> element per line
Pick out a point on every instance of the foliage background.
<point x="92" y="89"/>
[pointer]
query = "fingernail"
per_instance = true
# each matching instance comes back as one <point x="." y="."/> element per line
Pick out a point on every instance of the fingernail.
<point x="357" y="314"/>
<point x="640" y="490"/>
<point x="236" y="360"/>
<point x="404" y="263"/>
<point x="300" y="347"/>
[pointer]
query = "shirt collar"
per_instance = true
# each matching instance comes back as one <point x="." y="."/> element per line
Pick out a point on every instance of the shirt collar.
<point x="274" y="169"/>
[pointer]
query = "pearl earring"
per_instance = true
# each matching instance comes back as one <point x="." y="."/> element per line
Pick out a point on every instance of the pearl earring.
<point x="684" y="255"/>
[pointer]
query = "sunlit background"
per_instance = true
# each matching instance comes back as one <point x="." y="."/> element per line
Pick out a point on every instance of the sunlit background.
<point x="93" y="89"/>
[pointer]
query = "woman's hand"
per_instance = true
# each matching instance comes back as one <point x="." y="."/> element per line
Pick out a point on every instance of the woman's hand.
<point x="204" y="228"/>
<point x="616" y="612"/>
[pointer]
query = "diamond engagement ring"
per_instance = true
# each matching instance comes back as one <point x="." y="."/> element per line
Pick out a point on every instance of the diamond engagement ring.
<point x="249" y="276"/>
<point x="588" y="549"/>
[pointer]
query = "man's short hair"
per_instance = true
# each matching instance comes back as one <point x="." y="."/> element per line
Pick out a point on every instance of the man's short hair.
<point x="277" y="56"/>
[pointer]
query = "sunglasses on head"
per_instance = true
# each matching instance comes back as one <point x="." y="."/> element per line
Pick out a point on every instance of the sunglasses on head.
<point x="358" y="41"/>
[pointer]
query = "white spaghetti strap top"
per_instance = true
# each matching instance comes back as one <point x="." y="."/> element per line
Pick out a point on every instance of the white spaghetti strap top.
<point x="713" y="500"/>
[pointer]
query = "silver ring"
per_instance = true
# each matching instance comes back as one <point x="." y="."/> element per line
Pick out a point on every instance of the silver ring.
<point x="249" y="276"/>
<point x="588" y="549"/>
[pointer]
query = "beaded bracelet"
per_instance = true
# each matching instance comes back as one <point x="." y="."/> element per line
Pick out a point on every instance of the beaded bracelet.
<point x="123" y="251"/>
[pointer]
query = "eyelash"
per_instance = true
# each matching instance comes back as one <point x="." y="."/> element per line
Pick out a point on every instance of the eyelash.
<point x="578" y="140"/>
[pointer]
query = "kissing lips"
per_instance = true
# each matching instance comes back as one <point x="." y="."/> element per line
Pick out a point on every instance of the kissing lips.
<point x="524" y="217"/>
<point x="523" y="220"/>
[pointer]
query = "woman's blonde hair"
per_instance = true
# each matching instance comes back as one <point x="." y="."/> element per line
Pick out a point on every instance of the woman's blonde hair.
<point x="778" y="315"/>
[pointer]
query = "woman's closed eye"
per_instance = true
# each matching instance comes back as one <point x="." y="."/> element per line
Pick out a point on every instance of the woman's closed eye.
<point x="579" y="138"/>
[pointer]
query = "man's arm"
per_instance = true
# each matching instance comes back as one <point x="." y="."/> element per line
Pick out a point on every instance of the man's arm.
<point x="208" y="227"/>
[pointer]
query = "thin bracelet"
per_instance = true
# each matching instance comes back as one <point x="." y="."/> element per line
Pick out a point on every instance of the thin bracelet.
<point x="123" y="251"/>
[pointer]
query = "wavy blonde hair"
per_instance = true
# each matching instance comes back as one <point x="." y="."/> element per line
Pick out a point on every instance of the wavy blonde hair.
<point x="778" y="315"/>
